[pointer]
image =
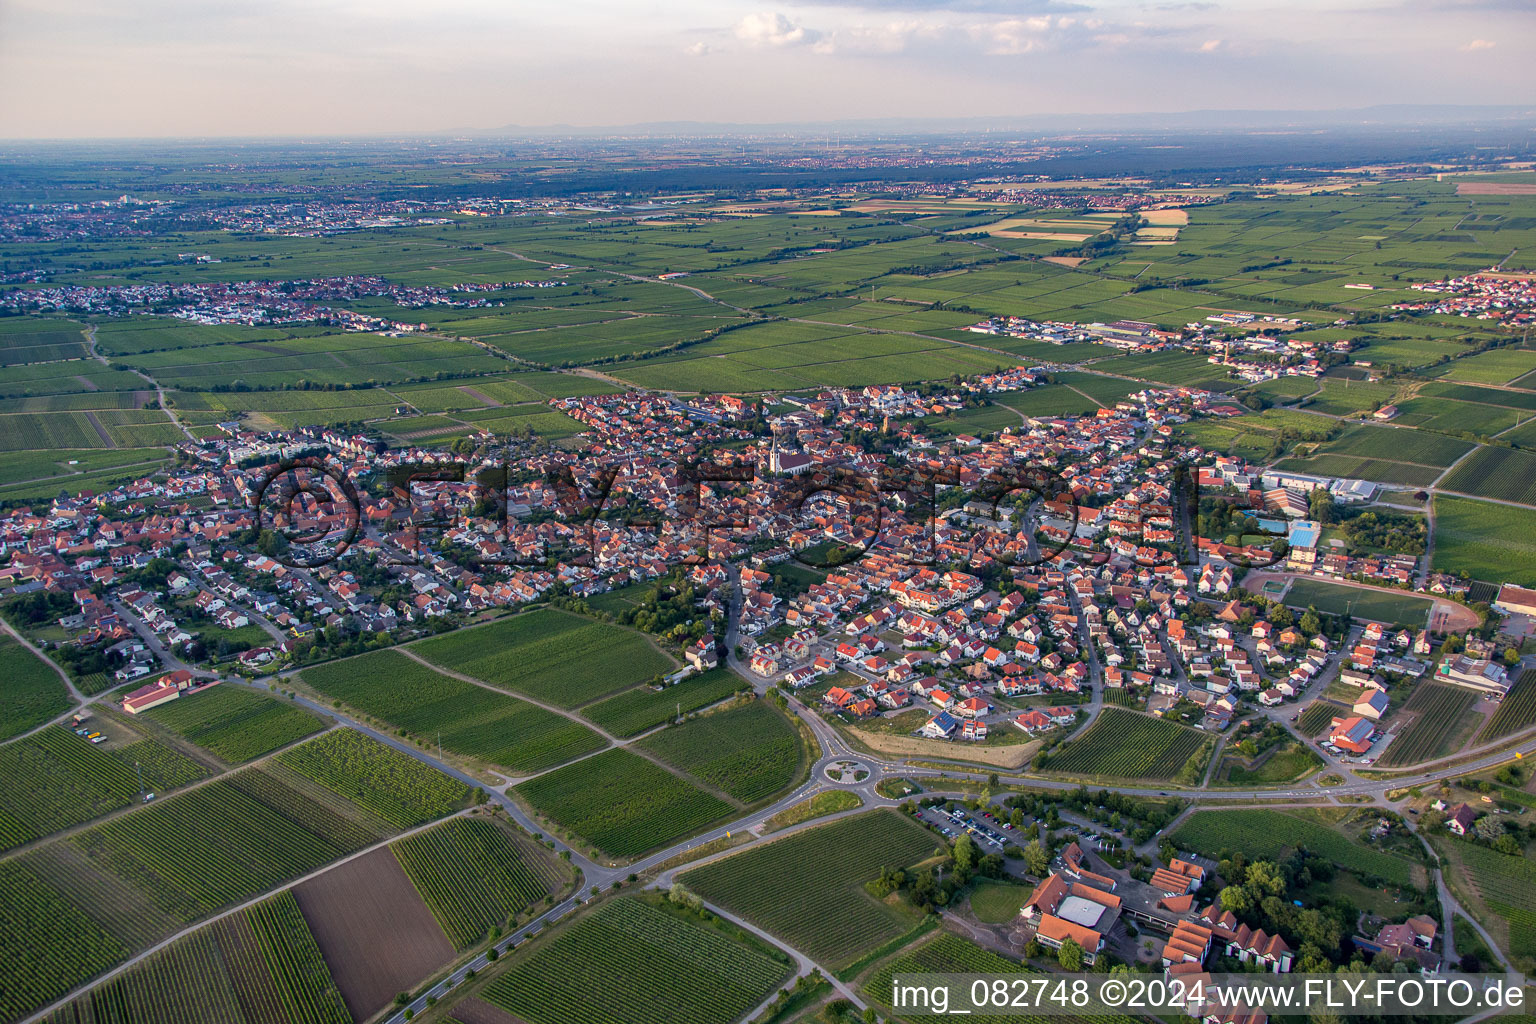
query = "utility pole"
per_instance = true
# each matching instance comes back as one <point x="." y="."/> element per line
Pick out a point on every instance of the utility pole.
<point x="439" y="744"/>
<point x="140" y="772"/>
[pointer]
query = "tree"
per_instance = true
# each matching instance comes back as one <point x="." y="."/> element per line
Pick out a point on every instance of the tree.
<point x="1265" y="878"/>
<point x="965" y="854"/>
<point x="1036" y="859"/>
<point x="1070" y="956"/>
<point x="1236" y="899"/>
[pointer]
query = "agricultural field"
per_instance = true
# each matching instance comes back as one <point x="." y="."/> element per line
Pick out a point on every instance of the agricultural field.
<point x="1403" y="609"/>
<point x="551" y="656"/>
<point x="634" y="711"/>
<point x="1125" y="744"/>
<point x="234" y="724"/>
<point x="750" y="751"/>
<point x="1318" y="715"/>
<point x="1508" y="886"/>
<point x="1500" y="473"/>
<point x="1516" y="711"/>
<point x="808" y="888"/>
<point x="55" y="779"/>
<point x="1493" y="543"/>
<point x="1443" y="718"/>
<point x="474" y="873"/>
<point x="1396" y="445"/>
<point x="466" y="719"/>
<point x="48" y="943"/>
<point x="653" y="965"/>
<point x="1268" y="834"/>
<point x="1499" y="366"/>
<point x="621" y="803"/>
<point x="1178" y="368"/>
<point x="259" y="966"/>
<point x="31" y="692"/>
<point x="401" y="790"/>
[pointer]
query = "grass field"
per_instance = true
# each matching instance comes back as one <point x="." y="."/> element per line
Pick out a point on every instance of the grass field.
<point x="750" y="751"/>
<point x="551" y="656"/>
<point x="1516" y="711"/>
<point x="1289" y="762"/>
<point x="1442" y="712"/>
<point x="621" y="803"/>
<point x="1267" y="834"/>
<point x="808" y="888"/>
<point x="234" y="724"/>
<point x="1494" y="543"/>
<point x="473" y="874"/>
<point x="998" y="902"/>
<point x="467" y="719"/>
<point x="1403" y="609"/>
<point x="636" y="962"/>
<point x="1125" y="744"/>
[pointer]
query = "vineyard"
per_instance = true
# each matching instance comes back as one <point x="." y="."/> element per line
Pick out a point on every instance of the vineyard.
<point x="294" y="962"/>
<point x="950" y="954"/>
<point x="233" y="724"/>
<point x="31" y="693"/>
<point x="256" y="967"/>
<point x="1516" y="711"/>
<point x="47" y="944"/>
<point x="1318" y="715"/>
<point x="749" y="751"/>
<point x="551" y="656"/>
<point x="808" y="888"/>
<point x="1268" y="835"/>
<point x="1508" y="885"/>
<point x="1440" y="710"/>
<point x="205" y="849"/>
<point x="1125" y="744"/>
<point x="622" y="803"/>
<point x="55" y="779"/>
<point x="401" y="790"/>
<point x="637" y="710"/>
<point x="467" y="719"/>
<point x="473" y="874"/>
<point x="633" y="963"/>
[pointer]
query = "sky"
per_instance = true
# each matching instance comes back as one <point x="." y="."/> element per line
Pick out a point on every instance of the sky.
<point x="200" y="68"/>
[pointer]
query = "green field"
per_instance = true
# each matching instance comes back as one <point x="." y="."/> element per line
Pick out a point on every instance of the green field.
<point x="1508" y="886"/>
<point x="55" y="779"/>
<point x="750" y="751"/>
<point x="1126" y="744"/>
<point x="551" y="656"/>
<point x="31" y="692"/>
<point x="998" y="902"/>
<point x="621" y="803"/>
<point x="1403" y="609"/>
<point x="473" y="874"/>
<point x="637" y="710"/>
<point x="1494" y="543"/>
<point x="234" y="724"/>
<point x="1268" y="834"/>
<point x="398" y="788"/>
<point x="1442" y="712"/>
<point x="1500" y="473"/>
<point x="466" y="719"/>
<point x="631" y="962"/>
<point x="808" y="888"/>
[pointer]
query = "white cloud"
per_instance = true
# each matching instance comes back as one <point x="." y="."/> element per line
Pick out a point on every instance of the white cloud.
<point x="773" y="30"/>
<point x="1478" y="44"/>
<point x="699" y="49"/>
<point x="1210" y="46"/>
<point x="1014" y="36"/>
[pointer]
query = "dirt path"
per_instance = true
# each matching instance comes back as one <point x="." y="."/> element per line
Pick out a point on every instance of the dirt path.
<point x="101" y="431"/>
<point x="480" y="396"/>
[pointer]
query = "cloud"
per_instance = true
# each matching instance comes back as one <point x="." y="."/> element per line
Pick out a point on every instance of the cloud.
<point x="773" y="30"/>
<point x="1210" y="46"/>
<point x="1478" y="44"/>
<point x="699" y="49"/>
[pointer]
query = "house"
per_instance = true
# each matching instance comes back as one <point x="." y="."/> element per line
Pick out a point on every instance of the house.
<point x="1062" y="909"/>
<point x="1372" y="703"/>
<point x="972" y="707"/>
<point x="940" y="727"/>
<point x="1352" y="735"/>
<point x="973" y="729"/>
<point x="1190" y="943"/>
<point x="1461" y="819"/>
<point x="1178" y="878"/>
